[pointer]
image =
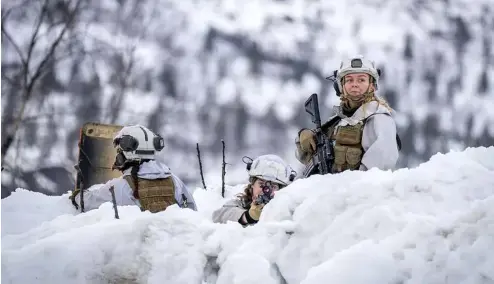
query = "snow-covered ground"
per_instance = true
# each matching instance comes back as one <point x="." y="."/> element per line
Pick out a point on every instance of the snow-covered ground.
<point x="430" y="224"/>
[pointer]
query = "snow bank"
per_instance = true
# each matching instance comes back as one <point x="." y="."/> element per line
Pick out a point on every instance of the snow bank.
<point x="430" y="224"/>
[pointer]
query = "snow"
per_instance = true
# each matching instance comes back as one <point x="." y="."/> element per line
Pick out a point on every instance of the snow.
<point x="429" y="224"/>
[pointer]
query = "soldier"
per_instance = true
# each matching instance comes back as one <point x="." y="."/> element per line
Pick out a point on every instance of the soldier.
<point x="363" y="132"/>
<point x="267" y="175"/>
<point x="145" y="182"/>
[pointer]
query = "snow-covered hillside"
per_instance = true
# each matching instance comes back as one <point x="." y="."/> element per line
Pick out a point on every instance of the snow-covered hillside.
<point x="430" y="224"/>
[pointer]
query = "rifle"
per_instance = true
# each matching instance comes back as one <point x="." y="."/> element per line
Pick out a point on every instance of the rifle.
<point x="266" y="195"/>
<point x="322" y="161"/>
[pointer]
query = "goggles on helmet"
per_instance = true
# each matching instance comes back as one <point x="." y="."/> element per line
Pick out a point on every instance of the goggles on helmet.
<point x="126" y="142"/>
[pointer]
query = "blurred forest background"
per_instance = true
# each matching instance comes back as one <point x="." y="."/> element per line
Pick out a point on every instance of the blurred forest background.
<point x="202" y="71"/>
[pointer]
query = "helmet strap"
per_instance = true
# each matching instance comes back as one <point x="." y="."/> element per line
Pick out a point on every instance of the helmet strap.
<point x="121" y="163"/>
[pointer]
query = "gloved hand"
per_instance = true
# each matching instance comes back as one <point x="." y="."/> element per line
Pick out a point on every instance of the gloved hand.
<point x="307" y="141"/>
<point x="255" y="211"/>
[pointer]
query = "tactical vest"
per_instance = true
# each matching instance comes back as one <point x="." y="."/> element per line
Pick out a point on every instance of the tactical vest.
<point x="155" y="195"/>
<point x="348" y="150"/>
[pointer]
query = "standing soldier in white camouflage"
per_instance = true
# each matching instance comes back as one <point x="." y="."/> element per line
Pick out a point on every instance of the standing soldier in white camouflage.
<point x="363" y="132"/>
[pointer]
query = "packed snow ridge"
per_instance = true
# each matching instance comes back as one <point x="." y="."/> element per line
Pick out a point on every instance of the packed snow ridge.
<point x="430" y="224"/>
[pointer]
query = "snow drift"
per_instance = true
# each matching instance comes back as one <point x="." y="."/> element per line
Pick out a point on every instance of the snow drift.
<point x="430" y="224"/>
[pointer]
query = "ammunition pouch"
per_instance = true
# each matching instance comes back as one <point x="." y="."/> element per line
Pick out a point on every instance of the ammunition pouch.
<point x="348" y="149"/>
<point x="155" y="195"/>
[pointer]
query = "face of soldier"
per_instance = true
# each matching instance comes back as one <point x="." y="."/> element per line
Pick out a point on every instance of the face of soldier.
<point x="259" y="184"/>
<point x="357" y="84"/>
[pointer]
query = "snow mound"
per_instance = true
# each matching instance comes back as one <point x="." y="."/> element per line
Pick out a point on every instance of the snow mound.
<point x="430" y="224"/>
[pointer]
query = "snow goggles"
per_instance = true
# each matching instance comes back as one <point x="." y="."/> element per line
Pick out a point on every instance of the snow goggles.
<point x="126" y="142"/>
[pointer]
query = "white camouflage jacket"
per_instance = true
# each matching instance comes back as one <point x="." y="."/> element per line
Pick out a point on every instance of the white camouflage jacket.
<point x="378" y="137"/>
<point x="100" y="193"/>
<point x="232" y="210"/>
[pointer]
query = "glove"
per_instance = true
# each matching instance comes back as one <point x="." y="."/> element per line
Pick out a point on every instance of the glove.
<point x="307" y="141"/>
<point x="254" y="212"/>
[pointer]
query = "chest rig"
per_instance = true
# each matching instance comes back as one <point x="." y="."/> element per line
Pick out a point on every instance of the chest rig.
<point x="347" y="144"/>
<point x="155" y="195"/>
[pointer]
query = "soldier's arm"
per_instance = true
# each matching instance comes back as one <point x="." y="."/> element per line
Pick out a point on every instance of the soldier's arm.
<point x="100" y="193"/>
<point x="302" y="156"/>
<point x="232" y="210"/>
<point x="379" y="143"/>
<point x="181" y="191"/>
<point x="93" y="197"/>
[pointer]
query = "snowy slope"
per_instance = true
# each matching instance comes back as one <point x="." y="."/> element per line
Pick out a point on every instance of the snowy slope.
<point x="430" y="224"/>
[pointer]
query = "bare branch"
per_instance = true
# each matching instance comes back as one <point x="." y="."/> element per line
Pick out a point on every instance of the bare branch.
<point x="14" y="44"/>
<point x="14" y="6"/>
<point x="200" y="166"/>
<point x="128" y="52"/>
<point x="115" y="208"/>
<point x="32" y="43"/>
<point x="67" y="55"/>
<point x="123" y="81"/>
<point x="53" y="47"/>
<point x="30" y="82"/>
<point x="12" y="82"/>
<point x="223" y="171"/>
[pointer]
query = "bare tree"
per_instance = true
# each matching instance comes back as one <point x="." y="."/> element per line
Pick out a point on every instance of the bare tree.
<point x="126" y="60"/>
<point x="32" y="68"/>
<point x="131" y="26"/>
